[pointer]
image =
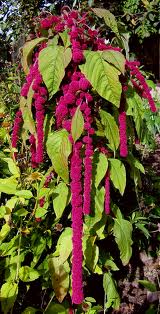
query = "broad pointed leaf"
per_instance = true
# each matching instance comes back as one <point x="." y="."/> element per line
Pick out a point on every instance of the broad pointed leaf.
<point x="29" y="123"/>
<point x="135" y="108"/>
<point x="52" y="62"/>
<point x="77" y="125"/>
<point x="27" y="52"/>
<point x="58" y="149"/>
<point x="8" y="294"/>
<point x="97" y="209"/>
<point x="109" y="285"/>
<point x="109" y="19"/>
<point x="65" y="38"/>
<point x="28" y="274"/>
<point x="116" y="58"/>
<point x="118" y="174"/>
<point x="111" y="129"/>
<point x="64" y="245"/>
<point x="8" y="185"/>
<point x="122" y="231"/>
<point x="60" y="199"/>
<point x="102" y="76"/>
<point x="60" y="277"/>
<point x="100" y="165"/>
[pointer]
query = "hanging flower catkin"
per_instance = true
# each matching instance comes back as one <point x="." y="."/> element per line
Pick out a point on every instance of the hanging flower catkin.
<point x="77" y="224"/>
<point x="133" y="66"/>
<point x="16" y="128"/>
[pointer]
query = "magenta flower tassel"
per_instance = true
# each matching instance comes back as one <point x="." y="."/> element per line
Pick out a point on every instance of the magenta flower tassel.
<point x="133" y="66"/>
<point x="107" y="193"/>
<point x="16" y="128"/>
<point x="123" y="134"/>
<point x="32" y="141"/>
<point x="87" y="176"/>
<point x="77" y="225"/>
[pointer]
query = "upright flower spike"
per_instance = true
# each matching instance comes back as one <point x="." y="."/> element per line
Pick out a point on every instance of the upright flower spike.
<point x="107" y="193"/>
<point x="77" y="224"/>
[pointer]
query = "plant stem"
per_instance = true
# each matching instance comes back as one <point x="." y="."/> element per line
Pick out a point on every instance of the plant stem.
<point x="18" y="253"/>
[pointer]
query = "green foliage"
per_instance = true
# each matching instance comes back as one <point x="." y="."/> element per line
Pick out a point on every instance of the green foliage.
<point x="122" y="231"/>
<point x="8" y="294"/>
<point x="77" y="125"/>
<point x="101" y="166"/>
<point x="105" y="79"/>
<point x="109" y="19"/>
<point x="109" y="285"/>
<point x="111" y="130"/>
<point x="118" y="174"/>
<point x="27" y="52"/>
<point x="60" y="199"/>
<point x="53" y="69"/>
<point x="58" y="149"/>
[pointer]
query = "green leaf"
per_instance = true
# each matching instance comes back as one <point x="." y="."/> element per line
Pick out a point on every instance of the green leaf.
<point x="111" y="265"/>
<point x="97" y="209"/>
<point x="30" y="310"/>
<point x="53" y="41"/>
<point x="60" y="277"/>
<point x="8" y="185"/>
<point x="67" y="56"/>
<point x="27" y="274"/>
<point x="40" y="212"/>
<point x="142" y="227"/>
<point x="134" y="162"/>
<point x="4" y="232"/>
<point x="109" y="19"/>
<point x="27" y="194"/>
<point x="122" y="231"/>
<point x="60" y="199"/>
<point x="111" y="129"/>
<point x="102" y="76"/>
<point x="135" y="108"/>
<point x="90" y="252"/>
<point x="65" y="38"/>
<point x="27" y="52"/>
<point x="118" y="174"/>
<point x="64" y="245"/>
<point x="100" y="130"/>
<point x="38" y="246"/>
<point x="110" y="289"/>
<point x="100" y="166"/>
<point x="77" y="125"/>
<point x="59" y="149"/>
<point x="148" y="285"/>
<point x="56" y="309"/>
<point x="9" y="292"/>
<point x="52" y="63"/>
<point x="12" y="166"/>
<point x="22" y="212"/>
<point x="29" y="123"/>
<point x="7" y="248"/>
<point x="90" y="299"/>
<point x="116" y="58"/>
